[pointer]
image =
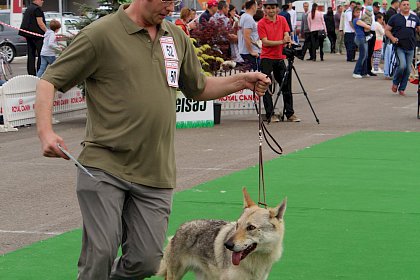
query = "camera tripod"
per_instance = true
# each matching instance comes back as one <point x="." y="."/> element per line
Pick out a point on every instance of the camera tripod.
<point x="287" y="76"/>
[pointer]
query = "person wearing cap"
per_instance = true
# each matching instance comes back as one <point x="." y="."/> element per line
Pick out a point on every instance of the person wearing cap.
<point x="248" y="36"/>
<point x="376" y="8"/>
<point x="209" y="12"/>
<point x="129" y="144"/>
<point x="274" y="33"/>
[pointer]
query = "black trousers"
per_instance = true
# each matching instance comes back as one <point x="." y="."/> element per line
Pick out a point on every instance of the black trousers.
<point x="307" y="44"/>
<point x="316" y="41"/>
<point x="278" y="67"/>
<point x="371" y="46"/>
<point x="350" y="45"/>
<point x="34" y="46"/>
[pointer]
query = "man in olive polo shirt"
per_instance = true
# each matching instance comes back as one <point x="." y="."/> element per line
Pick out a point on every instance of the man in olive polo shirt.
<point x="132" y="62"/>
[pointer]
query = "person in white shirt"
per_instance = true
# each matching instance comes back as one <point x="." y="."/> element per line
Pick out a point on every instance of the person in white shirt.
<point x="50" y="47"/>
<point x="293" y="19"/>
<point x="349" y="33"/>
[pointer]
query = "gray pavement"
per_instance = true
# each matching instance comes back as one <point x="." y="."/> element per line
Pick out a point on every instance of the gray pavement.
<point x="38" y="194"/>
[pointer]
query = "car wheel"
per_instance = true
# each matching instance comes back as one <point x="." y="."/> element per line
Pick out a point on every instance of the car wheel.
<point x="9" y="51"/>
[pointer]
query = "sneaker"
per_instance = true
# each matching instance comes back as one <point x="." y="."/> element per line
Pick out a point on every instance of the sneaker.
<point x="366" y="76"/>
<point x="357" y="76"/>
<point x="293" y="118"/>
<point x="274" y="118"/>
<point x="372" y="74"/>
<point x="379" y="71"/>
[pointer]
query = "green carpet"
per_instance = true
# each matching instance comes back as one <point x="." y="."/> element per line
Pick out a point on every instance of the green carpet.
<point x="353" y="213"/>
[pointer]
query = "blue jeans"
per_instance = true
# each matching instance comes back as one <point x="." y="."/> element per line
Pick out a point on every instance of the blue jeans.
<point x="361" y="65"/>
<point x="45" y="61"/>
<point x="403" y="71"/>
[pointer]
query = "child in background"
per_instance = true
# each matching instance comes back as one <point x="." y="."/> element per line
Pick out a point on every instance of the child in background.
<point x="377" y="50"/>
<point x="50" y="47"/>
<point x="367" y="18"/>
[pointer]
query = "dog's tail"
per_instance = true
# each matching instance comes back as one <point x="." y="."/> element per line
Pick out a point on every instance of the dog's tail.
<point x="163" y="268"/>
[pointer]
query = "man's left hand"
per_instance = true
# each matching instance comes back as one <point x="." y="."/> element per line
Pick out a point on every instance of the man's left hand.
<point x="257" y="80"/>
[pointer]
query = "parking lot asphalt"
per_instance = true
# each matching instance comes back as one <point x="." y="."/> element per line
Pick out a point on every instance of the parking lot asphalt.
<point x="38" y="194"/>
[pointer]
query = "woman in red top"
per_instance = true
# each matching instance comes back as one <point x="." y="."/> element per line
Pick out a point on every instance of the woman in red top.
<point x="184" y="18"/>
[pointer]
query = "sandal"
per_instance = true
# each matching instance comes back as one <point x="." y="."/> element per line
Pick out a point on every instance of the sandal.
<point x="394" y="88"/>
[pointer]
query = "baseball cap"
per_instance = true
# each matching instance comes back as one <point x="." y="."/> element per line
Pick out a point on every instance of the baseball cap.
<point x="376" y="4"/>
<point x="212" y="3"/>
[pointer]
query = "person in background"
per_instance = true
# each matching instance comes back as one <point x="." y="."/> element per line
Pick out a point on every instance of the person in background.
<point x="248" y="36"/>
<point x="380" y="32"/>
<point x="393" y="10"/>
<point x="129" y="144"/>
<point x="33" y="21"/>
<point x="384" y="7"/>
<point x="349" y="33"/>
<point x="367" y="10"/>
<point x="401" y="30"/>
<point x="293" y="19"/>
<point x="360" y="69"/>
<point x="50" y="47"/>
<point x="286" y="15"/>
<point x="318" y="29"/>
<point x="376" y="8"/>
<point x="209" y="12"/>
<point x="330" y="24"/>
<point x="220" y="17"/>
<point x="305" y="32"/>
<point x="274" y="33"/>
<point x="259" y="14"/>
<point x="233" y="37"/>
<point x="339" y="42"/>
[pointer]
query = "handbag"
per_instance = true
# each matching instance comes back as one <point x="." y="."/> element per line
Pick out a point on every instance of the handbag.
<point x="321" y="33"/>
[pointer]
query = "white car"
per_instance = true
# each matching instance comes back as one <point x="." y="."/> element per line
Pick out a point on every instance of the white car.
<point x="68" y="25"/>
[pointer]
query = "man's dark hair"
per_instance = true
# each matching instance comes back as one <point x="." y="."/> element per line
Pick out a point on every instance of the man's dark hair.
<point x="221" y="5"/>
<point x="285" y="7"/>
<point x="353" y="2"/>
<point x="394" y="1"/>
<point x="249" y="4"/>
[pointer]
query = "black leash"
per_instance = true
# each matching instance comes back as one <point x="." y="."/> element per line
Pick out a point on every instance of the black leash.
<point x="263" y="132"/>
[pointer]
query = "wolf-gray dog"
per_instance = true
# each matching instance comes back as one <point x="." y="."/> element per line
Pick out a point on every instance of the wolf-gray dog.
<point x="222" y="250"/>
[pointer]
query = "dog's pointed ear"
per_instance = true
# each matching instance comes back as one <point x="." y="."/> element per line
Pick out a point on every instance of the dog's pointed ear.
<point x="281" y="209"/>
<point x="247" y="199"/>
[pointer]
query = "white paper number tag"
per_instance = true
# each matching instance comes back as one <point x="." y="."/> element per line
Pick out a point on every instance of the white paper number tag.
<point x="168" y="48"/>
<point x="172" y="73"/>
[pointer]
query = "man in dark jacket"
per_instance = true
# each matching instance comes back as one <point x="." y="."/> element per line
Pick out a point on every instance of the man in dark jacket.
<point x="33" y="21"/>
<point x="395" y="4"/>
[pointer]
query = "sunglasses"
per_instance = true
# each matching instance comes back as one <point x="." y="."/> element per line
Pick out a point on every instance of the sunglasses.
<point x="170" y="2"/>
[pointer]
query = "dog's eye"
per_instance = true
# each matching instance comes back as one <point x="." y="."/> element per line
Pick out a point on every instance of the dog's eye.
<point x="250" y="227"/>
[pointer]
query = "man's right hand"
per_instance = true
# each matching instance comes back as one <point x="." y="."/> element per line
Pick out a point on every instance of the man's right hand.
<point x="255" y="54"/>
<point x="49" y="141"/>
